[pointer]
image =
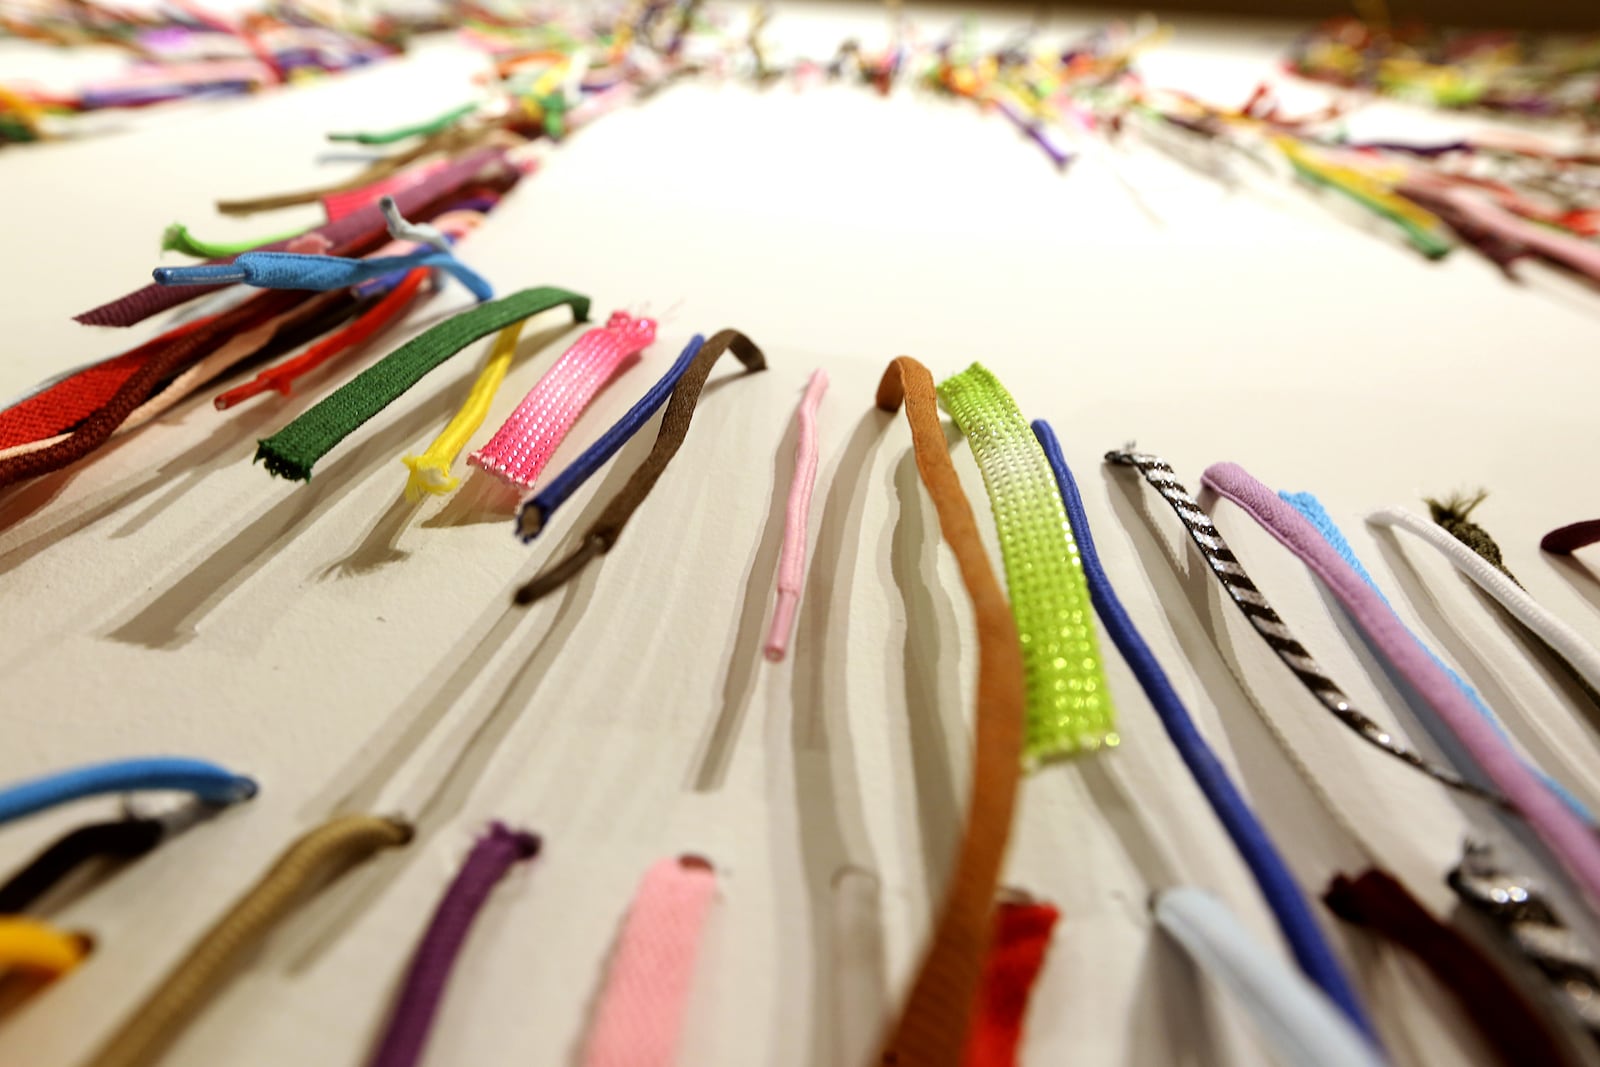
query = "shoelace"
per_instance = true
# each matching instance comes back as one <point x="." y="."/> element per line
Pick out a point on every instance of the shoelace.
<point x="1494" y="1004"/>
<point x="371" y="322"/>
<point x="287" y="270"/>
<point x="1276" y="882"/>
<point x="1314" y="513"/>
<point x="933" y="1025"/>
<point x="1243" y="592"/>
<point x="1565" y="540"/>
<point x="535" y="513"/>
<point x="603" y="533"/>
<point x="1563" y="640"/>
<point x="797" y="512"/>
<point x="294" y="450"/>
<point x="1022" y="931"/>
<point x="1568" y="838"/>
<point x="336" y="205"/>
<point x="430" y="472"/>
<point x="1533" y="926"/>
<point x="122" y="839"/>
<point x="638" y="1019"/>
<point x="402" y="229"/>
<point x="169" y="360"/>
<point x="309" y="864"/>
<point x="421" y="129"/>
<point x="39" y="948"/>
<point x="351" y="235"/>
<point x="177" y="238"/>
<point x="1069" y="703"/>
<point x="410" y="1021"/>
<point x="1454" y="516"/>
<point x="1296" y="1019"/>
<point x="207" y="781"/>
<point x="520" y="448"/>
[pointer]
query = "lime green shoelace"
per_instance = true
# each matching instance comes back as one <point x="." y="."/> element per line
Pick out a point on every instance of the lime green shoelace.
<point x="295" y="449"/>
<point x="1069" y="704"/>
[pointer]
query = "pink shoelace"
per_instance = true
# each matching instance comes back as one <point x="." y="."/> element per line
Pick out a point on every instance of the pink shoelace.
<point x="520" y="448"/>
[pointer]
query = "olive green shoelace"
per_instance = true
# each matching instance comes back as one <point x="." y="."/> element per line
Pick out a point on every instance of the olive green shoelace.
<point x="295" y="449"/>
<point x="1069" y="704"/>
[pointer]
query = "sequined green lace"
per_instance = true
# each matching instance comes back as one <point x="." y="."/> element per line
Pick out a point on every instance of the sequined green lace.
<point x="1069" y="704"/>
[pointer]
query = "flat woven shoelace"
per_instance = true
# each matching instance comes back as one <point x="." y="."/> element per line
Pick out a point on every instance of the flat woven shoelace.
<point x="351" y="235"/>
<point x="431" y="471"/>
<point x="1568" y="838"/>
<point x="1282" y="893"/>
<point x="638" y="1019"/>
<point x="207" y="781"/>
<point x="1016" y="956"/>
<point x="39" y="948"/>
<point x="1488" y="997"/>
<point x="170" y="360"/>
<point x="294" y="450"/>
<point x="311" y="863"/>
<point x="605" y="530"/>
<point x="1243" y="592"/>
<point x="797" y="512"/>
<point x="1297" y="1020"/>
<point x="1533" y="926"/>
<point x="370" y="323"/>
<point x="524" y="443"/>
<point x="535" y="513"/>
<point x="288" y="270"/>
<point x="933" y="1025"/>
<point x="1314" y="513"/>
<point x="336" y="205"/>
<point x="1069" y="703"/>
<point x="410" y="1021"/>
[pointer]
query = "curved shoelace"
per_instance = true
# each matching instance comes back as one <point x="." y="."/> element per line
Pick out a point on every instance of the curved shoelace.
<point x="207" y="781"/>
<point x="410" y="1021"/>
<point x="1454" y="516"/>
<point x="1243" y="592"/>
<point x="1277" y="884"/>
<point x="1294" y="1017"/>
<point x="290" y="270"/>
<point x="1069" y="703"/>
<point x="639" y="1016"/>
<point x="1489" y="997"/>
<point x="797" y="513"/>
<point x="1533" y="926"/>
<point x="1568" y="645"/>
<point x="535" y="513"/>
<point x="430" y="472"/>
<point x="933" y="1025"/>
<point x="311" y="863"/>
<point x="1567" y="837"/>
<point x="1565" y="540"/>
<point x="177" y="238"/>
<point x="351" y="235"/>
<point x="524" y="443"/>
<point x="605" y="530"/>
<point x="295" y="449"/>
<point x="1311" y="508"/>
<point x="39" y="948"/>
<point x="119" y="840"/>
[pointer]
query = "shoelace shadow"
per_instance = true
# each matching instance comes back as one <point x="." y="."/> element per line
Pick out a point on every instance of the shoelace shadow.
<point x="1584" y="579"/>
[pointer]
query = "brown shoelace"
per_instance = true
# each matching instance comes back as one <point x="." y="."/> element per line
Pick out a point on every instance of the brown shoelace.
<point x="933" y="1025"/>
<point x="599" y="538"/>
<point x="309" y="864"/>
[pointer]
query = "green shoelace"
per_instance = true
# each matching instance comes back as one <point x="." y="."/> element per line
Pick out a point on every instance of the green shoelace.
<point x="1069" y="704"/>
<point x="295" y="449"/>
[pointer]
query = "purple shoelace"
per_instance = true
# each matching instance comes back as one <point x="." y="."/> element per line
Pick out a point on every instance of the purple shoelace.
<point x="496" y="852"/>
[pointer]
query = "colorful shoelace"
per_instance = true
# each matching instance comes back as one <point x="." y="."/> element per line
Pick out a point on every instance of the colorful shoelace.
<point x="797" y="512"/>
<point x="1069" y="703"/>
<point x="207" y="781"/>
